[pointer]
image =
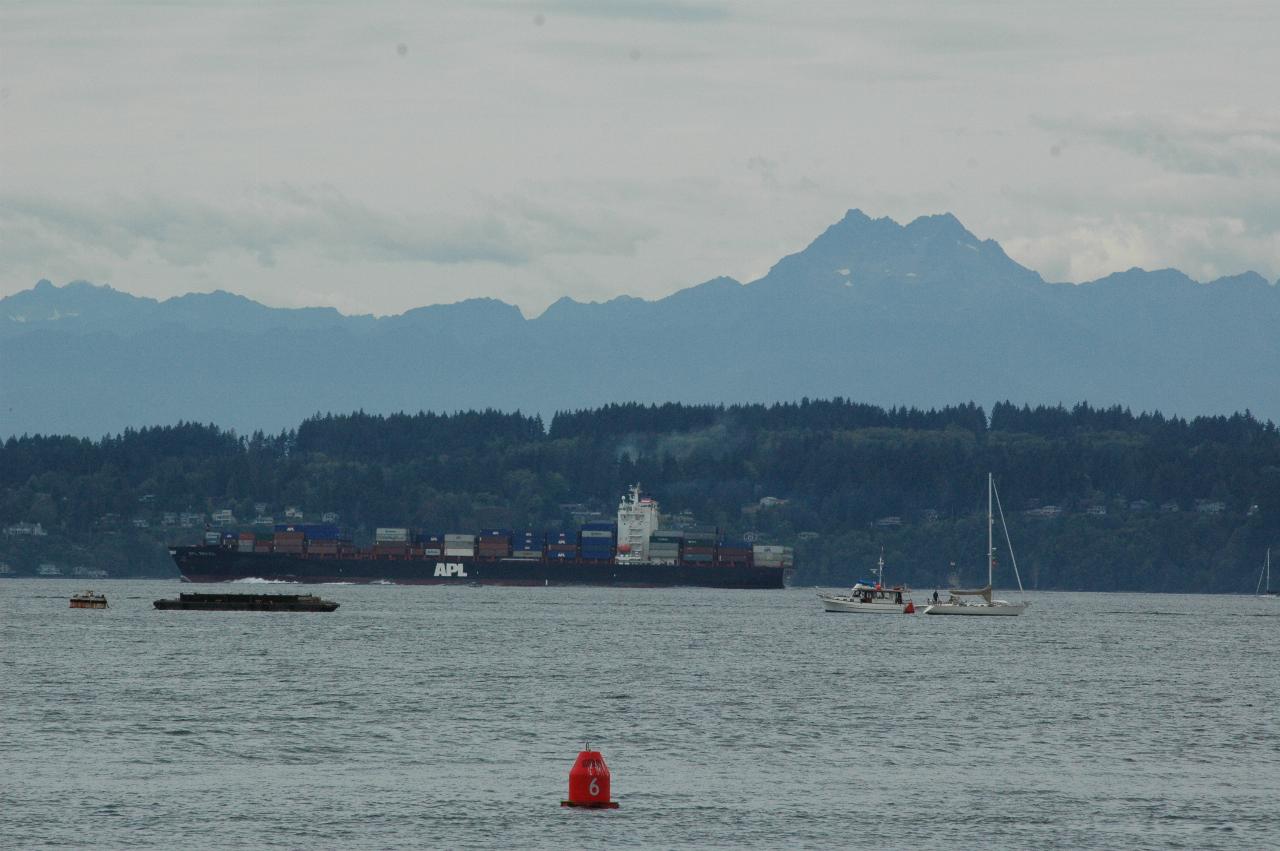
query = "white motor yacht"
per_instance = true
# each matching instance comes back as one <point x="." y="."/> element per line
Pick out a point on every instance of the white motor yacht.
<point x="871" y="598"/>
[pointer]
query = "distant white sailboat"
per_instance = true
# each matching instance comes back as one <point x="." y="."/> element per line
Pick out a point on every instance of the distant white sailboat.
<point x="956" y="604"/>
<point x="1264" y="579"/>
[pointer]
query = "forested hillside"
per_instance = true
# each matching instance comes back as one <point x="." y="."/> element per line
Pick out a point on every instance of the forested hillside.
<point x="1096" y="498"/>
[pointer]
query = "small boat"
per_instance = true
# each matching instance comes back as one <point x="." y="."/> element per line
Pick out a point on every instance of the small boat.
<point x="248" y="603"/>
<point x="89" y="600"/>
<point x="958" y="602"/>
<point x="871" y="598"/>
<point x="1264" y="588"/>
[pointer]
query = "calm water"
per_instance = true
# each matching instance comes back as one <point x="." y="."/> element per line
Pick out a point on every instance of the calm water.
<point x="449" y="717"/>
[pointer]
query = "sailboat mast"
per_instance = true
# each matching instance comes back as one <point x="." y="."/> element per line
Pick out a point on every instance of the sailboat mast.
<point x="991" y="525"/>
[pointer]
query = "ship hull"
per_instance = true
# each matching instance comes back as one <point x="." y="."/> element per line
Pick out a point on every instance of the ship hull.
<point x="1007" y="610"/>
<point x="217" y="564"/>
<point x="847" y="606"/>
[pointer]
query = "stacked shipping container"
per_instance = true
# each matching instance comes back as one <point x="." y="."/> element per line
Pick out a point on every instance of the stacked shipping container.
<point x="323" y="547"/>
<point x="700" y="544"/>
<point x="598" y="541"/>
<point x="772" y="556"/>
<point x="733" y="553"/>
<point x="595" y="542"/>
<point x="432" y="545"/>
<point x="665" y="545"/>
<point x="288" y="542"/>
<point x="312" y="531"/>
<point x="391" y="541"/>
<point x="494" y="543"/>
<point x="527" y="544"/>
<point x="459" y="545"/>
<point x="561" y="545"/>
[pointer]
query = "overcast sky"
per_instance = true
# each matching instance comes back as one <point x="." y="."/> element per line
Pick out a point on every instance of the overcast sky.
<point x="377" y="157"/>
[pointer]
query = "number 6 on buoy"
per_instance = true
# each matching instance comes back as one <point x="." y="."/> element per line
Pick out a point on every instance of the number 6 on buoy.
<point x="589" y="782"/>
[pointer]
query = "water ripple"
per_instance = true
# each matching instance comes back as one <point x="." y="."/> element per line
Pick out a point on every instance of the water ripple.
<point x="419" y="717"/>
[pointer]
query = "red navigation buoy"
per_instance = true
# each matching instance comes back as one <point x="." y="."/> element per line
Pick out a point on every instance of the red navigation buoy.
<point x="589" y="782"/>
<point x="909" y="609"/>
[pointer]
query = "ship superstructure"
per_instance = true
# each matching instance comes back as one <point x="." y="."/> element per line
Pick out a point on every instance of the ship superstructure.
<point x="637" y="521"/>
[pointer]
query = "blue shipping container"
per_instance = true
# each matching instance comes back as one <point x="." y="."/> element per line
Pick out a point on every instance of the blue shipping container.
<point x="312" y="531"/>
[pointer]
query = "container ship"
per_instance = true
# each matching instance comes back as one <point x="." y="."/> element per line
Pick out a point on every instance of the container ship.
<point x="633" y="552"/>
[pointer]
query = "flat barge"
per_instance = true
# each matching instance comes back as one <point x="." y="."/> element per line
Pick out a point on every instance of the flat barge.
<point x="248" y="603"/>
<point x="89" y="600"/>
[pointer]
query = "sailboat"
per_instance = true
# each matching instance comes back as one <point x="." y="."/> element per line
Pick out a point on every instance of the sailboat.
<point x="956" y="604"/>
<point x="1265" y="578"/>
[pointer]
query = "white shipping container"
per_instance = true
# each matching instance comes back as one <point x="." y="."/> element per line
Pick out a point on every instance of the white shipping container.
<point x="459" y="539"/>
<point x="459" y="551"/>
<point x="596" y="533"/>
<point x="389" y="535"/>
<point x="432" y="551"/>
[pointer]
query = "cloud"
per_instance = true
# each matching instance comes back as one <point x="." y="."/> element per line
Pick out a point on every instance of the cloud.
<point x="950" y="34"/>
<point x="1191" y="189"/>
<point x="272" y="219"/>
<point x="1205" y="246"/>
<point x="200" y="148"/>
<point x="766" y="168"/>
<point x="645" y="10"/>
<point x="1232" y="143"/>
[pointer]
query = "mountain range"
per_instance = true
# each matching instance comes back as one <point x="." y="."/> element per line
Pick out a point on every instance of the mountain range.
<point x="920" y="314"/>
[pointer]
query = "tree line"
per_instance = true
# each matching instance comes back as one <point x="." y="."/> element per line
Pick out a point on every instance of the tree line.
<point x="1141" y="500"/>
